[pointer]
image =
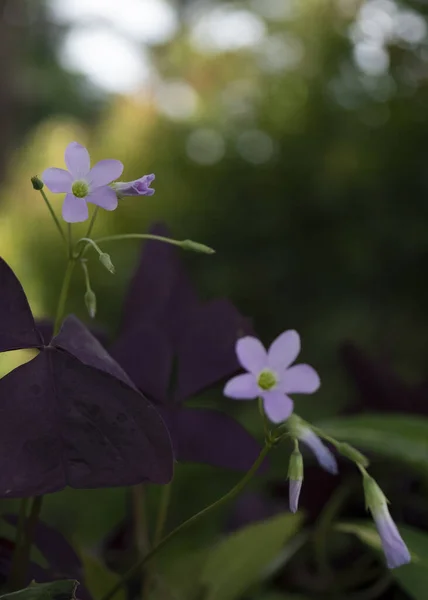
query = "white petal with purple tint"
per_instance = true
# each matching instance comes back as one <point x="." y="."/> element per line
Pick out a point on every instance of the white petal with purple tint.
<point x="104" y="172"/>
<point x="77" y="160"/>
<point x="284" y="350"/>
<point x="278" y="407"/>
<point x="104" y="197"/>
<point x="300" y="379"/>
<point x="57" y="180"/>
<point x="396" y="551"/>
<point x="294" y="488"/>
<point x="74" y="210"/>
<point x="323" y="455"/>
<point x="242" y="387"/>
<point x="251" y="354"/>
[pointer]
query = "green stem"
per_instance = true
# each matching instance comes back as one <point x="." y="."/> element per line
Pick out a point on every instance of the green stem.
<point x="14" y="576"/>
<point x="24" y="549"/>
<point x="63" y="295"/>
<point x="130" y="236"/>
<point x="89" y="242"/>
<point x="162" y="513"/>
<point x="230" y="494"/>
<point x="53" y="215"/>
<point x="86" y="275"/>
<point x="92" y="223"/>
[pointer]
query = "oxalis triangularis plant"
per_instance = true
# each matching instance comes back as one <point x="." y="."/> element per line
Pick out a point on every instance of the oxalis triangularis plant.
<point x="77" y="415"/>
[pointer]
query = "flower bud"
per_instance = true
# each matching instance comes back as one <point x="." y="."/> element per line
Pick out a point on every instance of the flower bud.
<point x="396" y="551"/>
<point x="298" y="429"/>
<point x="106" y="262"/>
<point x="37" y="183"/>
<point x="196" y="247"/>
<point x="295" y="476"/>
<point x="138" y="187"/>
<point x="91" y="303"/>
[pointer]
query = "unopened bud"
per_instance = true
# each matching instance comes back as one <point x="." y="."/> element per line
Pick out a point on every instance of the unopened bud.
<point x="37" y="183"/>
<point x="295" y="466"/>
<point x="374" y="497"/>
<point x="106" y="262"/>
<point x="91" y="303"/>
<point x="352" y="453"/>
<point x="196" y="247"/>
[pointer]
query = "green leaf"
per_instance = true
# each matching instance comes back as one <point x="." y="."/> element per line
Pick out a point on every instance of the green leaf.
<point x="98" y="579"/>
<point x="243" y="558"/>
<point x="395" y="436"/>
<point x="413" y="578"/>
<point x="56" y="590"/>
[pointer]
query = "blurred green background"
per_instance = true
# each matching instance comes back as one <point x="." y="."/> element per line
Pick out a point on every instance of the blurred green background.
<point x="290" y="135"/>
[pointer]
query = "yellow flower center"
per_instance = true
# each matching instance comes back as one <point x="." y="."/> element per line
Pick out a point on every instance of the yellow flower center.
<point x="267" y="379"/>
<point x="80" y="189"/>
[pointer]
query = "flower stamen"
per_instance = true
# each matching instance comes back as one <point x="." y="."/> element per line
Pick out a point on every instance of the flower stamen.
<point x="80" y="188"/>
<point x="267" y="379"/>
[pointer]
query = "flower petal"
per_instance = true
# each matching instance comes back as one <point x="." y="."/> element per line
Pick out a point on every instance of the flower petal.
<point x="284" y="350"/>
<point x="77" y="160"/>
<point x="323" y="455"/>
<point x="104" y="172"/>
<point x="242" y="387"/>
<point x="251" y="354"/>
<point x="300" y="379"/>
<point x="104" y="197"/>
<point x="396" y="551"/>
<point x="74" y="210"/>
<point x="294" y="487"/>
<point x="278" y="407"/>
<point x="57" y="180"/>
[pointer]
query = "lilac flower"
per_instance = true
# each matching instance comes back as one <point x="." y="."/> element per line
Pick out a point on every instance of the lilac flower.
<point x="81" y="184"/>
<point x="323" y="455"/>
<point x="138" y="187"/>
<point x="396" y="551"/>
<point x="295" y="486"/>
<point x="270" y="374"/>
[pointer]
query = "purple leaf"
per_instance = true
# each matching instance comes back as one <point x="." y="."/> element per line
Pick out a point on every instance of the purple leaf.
<point x="212" y="437"/>
<point x="147" y="355"/>
<point x="17" y="327"/>
<point x="64" y="423"/>
<point x="45" y="328"/>
<point x="206" y="349"/>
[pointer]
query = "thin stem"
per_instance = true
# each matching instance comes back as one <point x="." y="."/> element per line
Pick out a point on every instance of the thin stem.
<point x="53" y="215"/>
<point x="129" y="236"/>
<point x="89" y="242"/>
<point x="228" y="496"/>
<point x="92" y="223"/>
<point x="14" y="576"/>
<point x="162" y="513"/>
<point x="63" y="295"/>
<point x="140" y="526"/>
<point x="86" y="275"/>
<point x="26" y="543"/>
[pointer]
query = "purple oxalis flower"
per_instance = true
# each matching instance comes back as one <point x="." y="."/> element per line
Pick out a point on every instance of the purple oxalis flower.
<point x="138" y="187"/>
<point x="323" y="454"/>
<point x="71" y="416"/>
<point x="81" y="184"/>
<point x="270" y="374"/>
<point x="396" y="551"/>
<point x="167" y="331"/>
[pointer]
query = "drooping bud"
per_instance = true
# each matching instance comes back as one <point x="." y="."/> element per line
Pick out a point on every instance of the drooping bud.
<point x="295" y="476"/>
<point x="91" y="303"/>
<point x="196" y="247"/>
<point x="37" y="183"/>
<point x="106" y="262"/>
<point x="396" y="551"/>
<point x="300" y="430"/>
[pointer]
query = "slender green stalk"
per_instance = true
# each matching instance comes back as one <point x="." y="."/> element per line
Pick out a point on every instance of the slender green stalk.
<point x="14" y="576"/>
<point x="89" y="242"/>
<point x="162" y="513"/>
<point x="24" y="549"/>
<point x="63" y="295"/>
<point x="92" y="223"/>
<point x="131" y="236"/>
<point x="230" y="494"/>
<point x="54" y="217"/>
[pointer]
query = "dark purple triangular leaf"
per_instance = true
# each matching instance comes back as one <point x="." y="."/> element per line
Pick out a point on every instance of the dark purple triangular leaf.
<point x="64" y="423"/>
<point x="211" y="437"/>
<point x="206" y="349"/>
<point x="77" y="340"/>
<point x="147" y="356"/>
<point x="45" y="328"/>
<point x="160" y="291"/>
<point x="17" y="327"/>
